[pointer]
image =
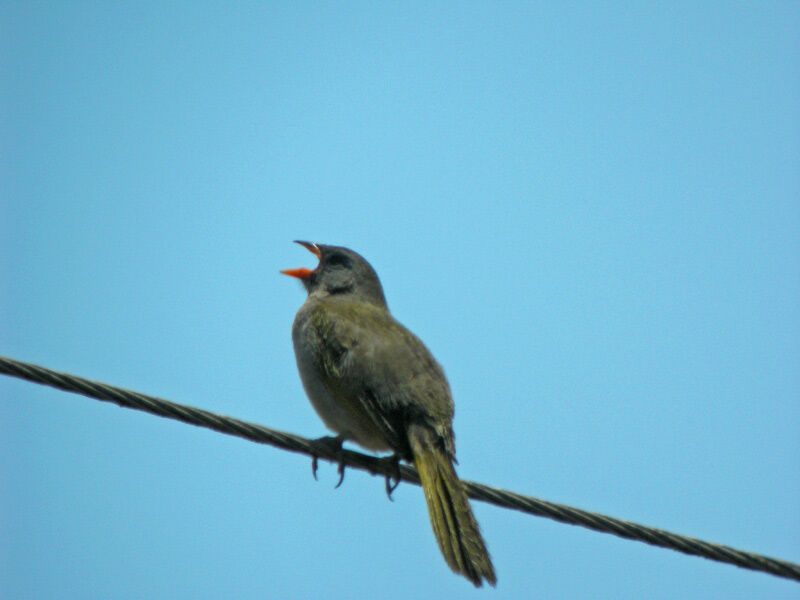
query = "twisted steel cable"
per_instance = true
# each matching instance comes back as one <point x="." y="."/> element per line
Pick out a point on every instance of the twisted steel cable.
<point x="376" y="466"/>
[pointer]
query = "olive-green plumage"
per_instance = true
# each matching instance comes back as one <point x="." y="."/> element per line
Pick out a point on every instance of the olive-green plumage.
<point x="374" y="382"/>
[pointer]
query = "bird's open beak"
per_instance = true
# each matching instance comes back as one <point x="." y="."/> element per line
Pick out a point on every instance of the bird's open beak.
<point x="303" y="273"/>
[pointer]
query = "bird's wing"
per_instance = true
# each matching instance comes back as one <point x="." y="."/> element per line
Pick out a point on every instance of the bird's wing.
<point x="380" y="369"/>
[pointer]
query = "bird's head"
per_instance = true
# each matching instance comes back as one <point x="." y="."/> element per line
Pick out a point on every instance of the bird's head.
<point x="340" y="272"/>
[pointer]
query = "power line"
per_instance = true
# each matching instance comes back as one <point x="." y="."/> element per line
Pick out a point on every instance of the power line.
<point x="477" y="491"/>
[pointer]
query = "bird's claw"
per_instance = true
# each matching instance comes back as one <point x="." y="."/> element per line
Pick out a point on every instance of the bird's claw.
<point x="334" y="443"/>
<point x="340" y="470"/>
<point x="394" y="463"/>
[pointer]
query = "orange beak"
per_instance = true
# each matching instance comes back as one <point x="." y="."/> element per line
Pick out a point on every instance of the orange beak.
<point x="303" y="273"/>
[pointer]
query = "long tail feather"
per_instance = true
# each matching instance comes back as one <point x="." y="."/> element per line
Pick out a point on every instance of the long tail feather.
<point x="454" y="525"/>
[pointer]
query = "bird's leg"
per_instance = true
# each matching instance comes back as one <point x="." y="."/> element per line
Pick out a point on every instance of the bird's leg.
<point x="334" y="444"/>
<point x="394" y="463"/>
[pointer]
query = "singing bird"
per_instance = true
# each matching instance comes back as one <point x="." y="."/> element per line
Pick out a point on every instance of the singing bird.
<point x="375" y="383"/>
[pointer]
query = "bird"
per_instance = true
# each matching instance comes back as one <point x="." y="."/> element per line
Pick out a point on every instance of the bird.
<point x="373" y="382"/>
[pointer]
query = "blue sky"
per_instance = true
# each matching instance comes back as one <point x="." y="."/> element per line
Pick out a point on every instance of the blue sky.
<point x="589" y="212"/>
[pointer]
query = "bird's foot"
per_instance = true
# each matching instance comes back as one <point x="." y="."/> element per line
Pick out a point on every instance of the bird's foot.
<point x="334" y="444"/>
<point x="394" y="463"/>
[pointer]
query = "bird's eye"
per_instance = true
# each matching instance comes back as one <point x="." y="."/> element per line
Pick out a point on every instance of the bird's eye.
<point x="338" y="260"/>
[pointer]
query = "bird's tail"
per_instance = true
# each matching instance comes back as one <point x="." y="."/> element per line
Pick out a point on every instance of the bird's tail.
<point x="453" y="523"/>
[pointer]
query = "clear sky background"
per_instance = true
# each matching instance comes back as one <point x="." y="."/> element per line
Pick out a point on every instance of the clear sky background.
<point x="589" y="212"/>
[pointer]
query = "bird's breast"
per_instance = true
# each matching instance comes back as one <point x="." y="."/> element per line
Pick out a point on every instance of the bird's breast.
<point x="339" y="411"/>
